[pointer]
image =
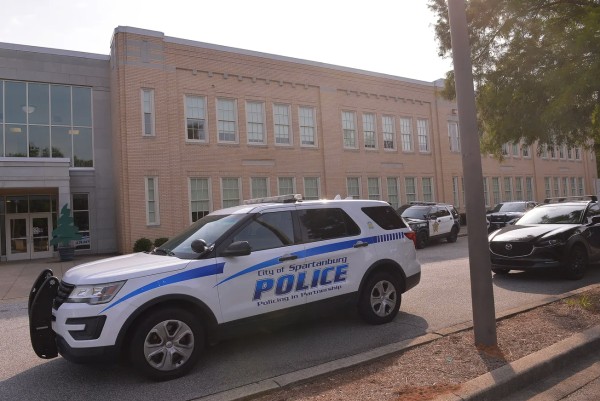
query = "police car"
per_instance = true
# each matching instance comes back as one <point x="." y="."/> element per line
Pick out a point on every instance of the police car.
<point x="234" y="266"/>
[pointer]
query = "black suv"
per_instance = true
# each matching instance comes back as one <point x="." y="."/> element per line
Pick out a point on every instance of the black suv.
<point x="506" y="212"/>
<point x="431" y="221"/>
<point x="561" y="233"/>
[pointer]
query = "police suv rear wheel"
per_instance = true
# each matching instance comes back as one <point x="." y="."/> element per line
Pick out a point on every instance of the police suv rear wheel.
<point x="167" y="344"/>
<point x="380" y="299"/>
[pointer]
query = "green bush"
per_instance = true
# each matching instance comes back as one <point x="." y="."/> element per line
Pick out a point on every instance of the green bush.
<point x="142" y="245"/>
<point x="159" y="241"/>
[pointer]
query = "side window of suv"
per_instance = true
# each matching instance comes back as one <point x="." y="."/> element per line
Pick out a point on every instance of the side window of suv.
<point x="442" y="211"/>
<point x="385" y="217"/>
<point x="328" y="223"/>
<point x="268" y="231"/>
<point x="593" y="211"/>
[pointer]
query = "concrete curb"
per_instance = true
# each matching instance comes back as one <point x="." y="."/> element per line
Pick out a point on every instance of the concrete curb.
<point x="518" y="373"/>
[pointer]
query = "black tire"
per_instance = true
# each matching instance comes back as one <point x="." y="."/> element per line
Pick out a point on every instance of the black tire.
<point x="422" y="239"/>
<point x="502" y="271"/>
<point x="577" y="262"/>
<point x="453" y="235"/>
<point x="380" y="298"/>
<point x="166" y="343"/>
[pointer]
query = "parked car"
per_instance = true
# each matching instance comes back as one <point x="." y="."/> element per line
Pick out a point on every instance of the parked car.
<point x="431" y="221"/>
<point x="507" y="213"/>
<point x="271" y="258"/>
<point x="563" y="235"/>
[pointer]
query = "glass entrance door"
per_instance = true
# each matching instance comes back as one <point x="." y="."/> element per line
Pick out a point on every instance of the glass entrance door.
<point x="28" y="236"/>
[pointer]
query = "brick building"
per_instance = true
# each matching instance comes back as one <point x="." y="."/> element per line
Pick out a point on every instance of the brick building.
<point x="196" y="127"/>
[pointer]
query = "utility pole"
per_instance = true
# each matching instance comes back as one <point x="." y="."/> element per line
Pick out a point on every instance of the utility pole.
<point x="482" y="294"/>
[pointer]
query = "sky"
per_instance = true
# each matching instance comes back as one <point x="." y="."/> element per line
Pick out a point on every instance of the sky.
<point x="393" y="37"/>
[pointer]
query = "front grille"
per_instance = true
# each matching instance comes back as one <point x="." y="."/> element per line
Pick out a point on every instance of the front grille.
<point x="511" y="249"/>
<point x="64" y="290"/>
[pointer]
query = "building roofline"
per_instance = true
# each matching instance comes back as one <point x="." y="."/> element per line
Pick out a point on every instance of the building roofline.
<point x="210" y="46"/>
<point x="56" y="52"/>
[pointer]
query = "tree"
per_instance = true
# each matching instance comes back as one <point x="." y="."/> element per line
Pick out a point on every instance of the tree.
<point x="536" y="65"/>
<point x="65" y="230"/>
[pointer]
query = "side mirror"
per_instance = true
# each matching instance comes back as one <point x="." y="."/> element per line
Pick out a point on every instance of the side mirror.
<point x="239" y="248"/>
<point x="199" y="246"/>
<point x="595" y="219"/>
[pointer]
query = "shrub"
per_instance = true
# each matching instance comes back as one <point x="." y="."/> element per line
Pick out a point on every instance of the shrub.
<point x="142" y="245"/>
<point x="159" y="241"/>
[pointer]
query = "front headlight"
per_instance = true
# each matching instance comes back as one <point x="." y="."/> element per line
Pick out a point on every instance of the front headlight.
<point x="550" y="242"/>
<point x="95" y="294"/>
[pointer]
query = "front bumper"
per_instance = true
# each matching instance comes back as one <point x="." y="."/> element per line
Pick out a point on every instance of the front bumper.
<point x="538" y="259"/>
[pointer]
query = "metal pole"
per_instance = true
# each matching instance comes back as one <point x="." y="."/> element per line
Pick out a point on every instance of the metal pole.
<point x="482" y="294"/>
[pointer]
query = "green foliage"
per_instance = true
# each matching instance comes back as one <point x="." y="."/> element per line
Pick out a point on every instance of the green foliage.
<point x="159" y="241"/>
<point x="536" y="65"/>
<point x="65" y="231"/>
<point x="142" y="245"/>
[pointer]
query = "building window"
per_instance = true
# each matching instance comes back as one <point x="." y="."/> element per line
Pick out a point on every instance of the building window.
<point x="311" y="188"/>
<point x="259" y="187"/>
<point x="580" y="188"/>
<point x="561" y="152"/>
<point x="389" y="132"/>
<point x="308" y="130"/>
<point x="455" y="191"/>
<point x="227" y="120"/>
<point x="570" y="153"/>
<point x="578" y="154"/>
<point x="519" y="188"/>
<point x="281" y="122"/>
<point x="573" y="186"/>
<point x="525" y="151"/>
<point x="369" y="131"/>
<point x="255" y="122"/>
<point x="496" y="190"/>
<point x="410" y="187"/>
<point x="199" y="198"/>
<point x="547" y="187"/>
<point x="195" y="117"/>
<point x="393" y="192"/>
<point x="565" y="186"/>
<point x="556" y="187"/>
<point x="373" y="188"/>
<point x="508" y="191"/>
<point x="230" y="192"/>
<point x="423" y="134"/>
<point x="152" y="207"/>
<point x="515" y="150"/>
<point x="552" y="150"/>
<point x="349" y="127"/>
<point x="286" y="185"/>
<point x="486" y="196"/>
<point x="406" y="134"/>
<point x="427" y="184"/>
<point x="453" y="136"/>
<point x="148" y="112"/>
<point x="529" y="188"/>
<point x="81" y="220"/>
<point x="43" y="120"/>
<point x="353" y="187"/>
<point x="544" y="151"/>
<point x="505" y="149"/>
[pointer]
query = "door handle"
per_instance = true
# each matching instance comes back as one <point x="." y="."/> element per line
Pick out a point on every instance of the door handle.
<point x="288" y="257"/>
<point x="361" y="244"/>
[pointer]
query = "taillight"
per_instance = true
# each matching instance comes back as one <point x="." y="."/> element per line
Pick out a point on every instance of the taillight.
<point x="413" y="236"/>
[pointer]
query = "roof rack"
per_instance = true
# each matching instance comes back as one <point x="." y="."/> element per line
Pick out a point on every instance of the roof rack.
<point x="560" y="199"/>
<point x="290" y="198"/>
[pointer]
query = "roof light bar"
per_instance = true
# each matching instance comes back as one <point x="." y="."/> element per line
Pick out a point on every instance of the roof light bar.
<point x="291" y="198"/>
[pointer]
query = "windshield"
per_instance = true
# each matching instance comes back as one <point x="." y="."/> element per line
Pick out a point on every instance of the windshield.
<point x="553" y="215"/>
<point x="209" y="228"/>
<point x="509" y="207"/>
<point x="415" y="212"/>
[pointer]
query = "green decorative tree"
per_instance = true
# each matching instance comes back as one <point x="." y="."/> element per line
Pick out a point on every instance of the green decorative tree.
<point x="66" y="231"/>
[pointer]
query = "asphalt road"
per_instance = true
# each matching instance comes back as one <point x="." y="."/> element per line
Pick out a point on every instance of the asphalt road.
<point x="442" y="299"/>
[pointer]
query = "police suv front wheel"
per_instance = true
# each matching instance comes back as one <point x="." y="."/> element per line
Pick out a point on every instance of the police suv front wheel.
<point x="167" y="344"/>
<point x="380" y="299"/>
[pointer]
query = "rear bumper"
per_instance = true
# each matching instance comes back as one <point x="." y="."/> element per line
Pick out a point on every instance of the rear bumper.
<point x="412" y="281"/>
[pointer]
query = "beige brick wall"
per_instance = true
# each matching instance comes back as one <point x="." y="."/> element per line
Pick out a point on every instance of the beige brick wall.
<point x="174" y="68"/>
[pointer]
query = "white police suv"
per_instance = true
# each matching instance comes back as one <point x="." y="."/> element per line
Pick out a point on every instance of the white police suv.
<point x="234" y="266"/>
